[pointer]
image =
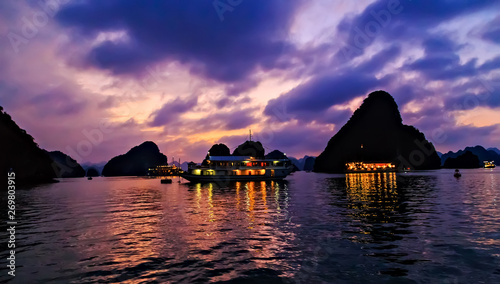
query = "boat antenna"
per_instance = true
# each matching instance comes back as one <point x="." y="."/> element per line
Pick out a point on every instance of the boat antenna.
<point x="250" y="134"/>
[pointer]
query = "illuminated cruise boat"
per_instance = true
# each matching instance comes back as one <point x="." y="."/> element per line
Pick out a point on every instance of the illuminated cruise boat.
<point x="362" y="167"/>
<point x="238" y="168"/>
<point x="489" y="164"/>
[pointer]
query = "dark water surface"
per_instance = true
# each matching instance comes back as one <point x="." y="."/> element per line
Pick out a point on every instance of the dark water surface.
<point x="422" y="227"/>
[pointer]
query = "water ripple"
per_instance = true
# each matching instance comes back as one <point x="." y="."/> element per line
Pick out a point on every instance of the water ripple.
<point x="417" y="227"/>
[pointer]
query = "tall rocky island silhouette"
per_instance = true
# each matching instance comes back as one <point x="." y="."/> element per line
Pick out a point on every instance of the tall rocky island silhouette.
<point x="21" y="154"/>
<point x="375" y="133"/>
<point x="136" y="161"/>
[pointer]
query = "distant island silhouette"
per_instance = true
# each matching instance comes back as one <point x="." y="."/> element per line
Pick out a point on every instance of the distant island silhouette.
<point x="136" y="161"/>
<point x="21" y="154"/>
<point x="375" y="133"/>
<point x="305" y="163"/>
<point x="496" y="150"/>
<point x="466" y="160"/>
<point x="92" y="172"/>
<point x="482" y="154"/>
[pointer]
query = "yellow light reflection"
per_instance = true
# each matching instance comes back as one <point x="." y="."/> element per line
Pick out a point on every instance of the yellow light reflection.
<point x="238" y="215"/>
<point x="238" y="198"/>
<point x="198" y="195"/>
<point x="263" y="190"/>
<point x="250" y="194"/>
<point x="372" y="195"/>
<point x="211" y="217"/>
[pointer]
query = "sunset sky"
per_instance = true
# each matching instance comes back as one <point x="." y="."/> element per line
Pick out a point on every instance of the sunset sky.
<point x="95" y="78"/>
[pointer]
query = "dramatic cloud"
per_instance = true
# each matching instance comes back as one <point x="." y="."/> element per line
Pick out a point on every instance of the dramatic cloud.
<point x="224" y="43"/>
<point x="310" y="100"/>
<point x="440" y="61"/>
<point x="468" y="101"/>
<point x="321" y="93"/>
<point x="491" y="31"/>
<point x="396" y="20"/>
<point x="171" y="111"/>
<point x="95" y="78"/>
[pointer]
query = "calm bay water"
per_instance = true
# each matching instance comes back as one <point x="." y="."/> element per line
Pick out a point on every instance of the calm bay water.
<point x="417" y="227"/>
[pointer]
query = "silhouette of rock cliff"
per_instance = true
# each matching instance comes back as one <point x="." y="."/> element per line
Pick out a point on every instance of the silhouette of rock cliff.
<point x="250" y="148"/>
<point x="64" y="166"/>
<point x="219" y="150"/>
<point x="20" y="153"/>
<point x="136" y="161"/>
<point x="375" y="133"/>
<point x="216" y="150"/>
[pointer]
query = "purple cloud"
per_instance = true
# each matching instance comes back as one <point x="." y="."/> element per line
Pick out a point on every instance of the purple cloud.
<point x="462" y="136"/>
<point x="468" y="101"/>
<point x="252" y="35"/>
<point x="491" y="31"/>
<point x="323" y="92"/>
<point x="310" y="100"/>
<point x="256" y="41"/>
<point x="230" y="120"/>
<point x="489" y="65"/>
<point x="313" y="139"/>
<point x="398" y="20"/>
<point x="440" y="61"/>
<point x="170" y="111"/>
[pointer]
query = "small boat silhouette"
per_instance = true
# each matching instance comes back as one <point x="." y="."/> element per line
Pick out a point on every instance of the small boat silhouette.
<point x="457" y="173"/>
<point x="89" y="178"/>
<point x="166" y="180"/>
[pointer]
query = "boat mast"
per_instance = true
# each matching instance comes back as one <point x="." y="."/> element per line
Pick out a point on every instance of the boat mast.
<point x="250" y="134"/>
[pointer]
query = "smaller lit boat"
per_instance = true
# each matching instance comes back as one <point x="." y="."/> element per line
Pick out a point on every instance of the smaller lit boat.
<point x="362" y="167"/>
<point x="489" y="164"/>
<point x="457" y="173"/>
<point x="166" y="180"/>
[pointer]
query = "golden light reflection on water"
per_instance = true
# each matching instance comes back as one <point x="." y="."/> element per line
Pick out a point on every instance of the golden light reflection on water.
<point x="240" y="217"/>
<point x="250" y="195"/>
<point x="263" y="190"/>
<point x="132" y="229"/>
<point x="372" y="195"/>
<point x="238" y="197"/>
<point x="211" y="216"/>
